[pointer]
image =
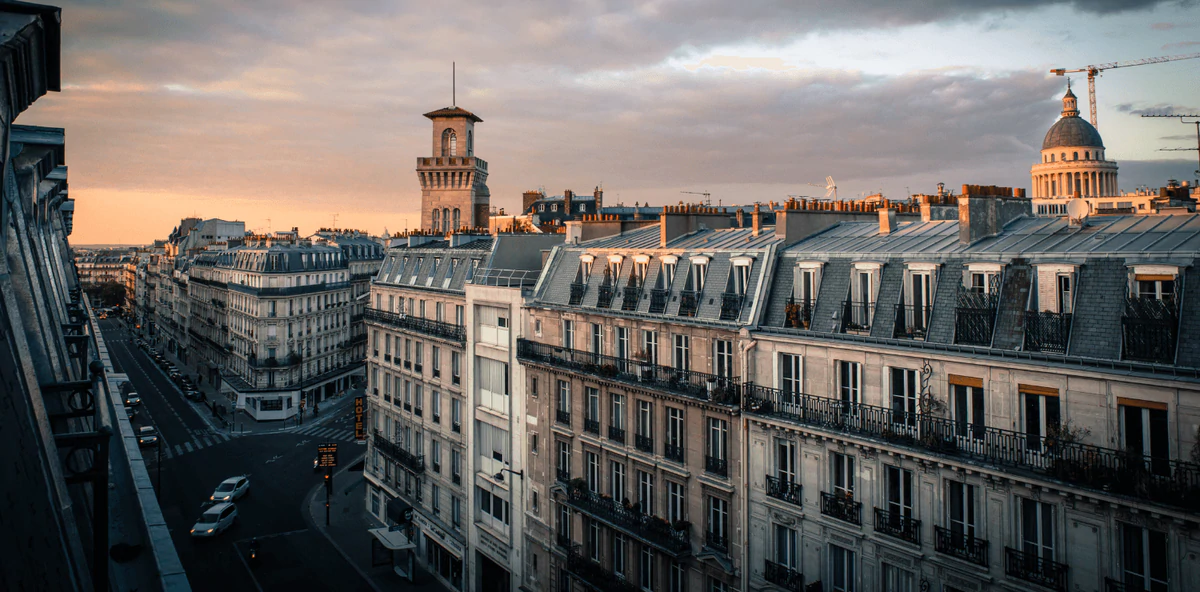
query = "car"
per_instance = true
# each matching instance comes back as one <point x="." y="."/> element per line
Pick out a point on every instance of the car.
<point x="147" y="436"/>
<point x="316" y="463"/>
<point x="132" y="399"/>
<point x="231" y="489"/>
<point x="192" y="394"/>
<point x="131" y="412"/>
<point x="215" y="520"/>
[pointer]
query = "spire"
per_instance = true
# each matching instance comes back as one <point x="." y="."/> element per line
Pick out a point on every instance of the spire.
<point x="1070" y="108"/>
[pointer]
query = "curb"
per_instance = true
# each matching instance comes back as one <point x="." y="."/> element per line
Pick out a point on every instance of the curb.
<point x="320" y="526"/>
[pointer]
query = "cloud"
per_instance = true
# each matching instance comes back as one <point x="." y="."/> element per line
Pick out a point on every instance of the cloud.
<point x="1181" y="45"/>
<point x="1156" y="109"/>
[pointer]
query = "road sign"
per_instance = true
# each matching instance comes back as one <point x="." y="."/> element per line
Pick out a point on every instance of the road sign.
<point x="360" y="433"/>
<point x="327" y="455"/>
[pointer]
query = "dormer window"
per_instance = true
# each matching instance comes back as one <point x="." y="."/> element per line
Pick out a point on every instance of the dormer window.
<point x="741" y="274"/>
<point x="582" y="207"/>
<point x="585" y="268"/>
<point x="669" y="267"/>
<point x="699" y="273"/>
<point x="982" y="278"/>
<point x="553" y="207"/>
<point x="641" y="266"/>
<point x="541" y="207"/>
<point x="917" y="305"/>
<point x="860" y="309"/>
<point x="807" y="282"/>
<point x="1154" y="282"/>
<point x="614" y="266"/>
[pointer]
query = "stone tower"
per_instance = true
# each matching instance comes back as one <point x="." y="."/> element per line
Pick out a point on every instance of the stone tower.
<point x="454" y="191"/>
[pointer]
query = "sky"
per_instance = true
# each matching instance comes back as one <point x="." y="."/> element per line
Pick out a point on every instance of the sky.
<point x="285" y="113"/>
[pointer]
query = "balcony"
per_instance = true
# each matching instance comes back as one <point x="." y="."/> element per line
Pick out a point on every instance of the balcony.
<point x="673" y="452"/>
<point x="784" y="490"/>
<point x="1111" y="585"/>
<point x="1149" y="330"/>
<point x="658" y="300"/>
<point x="577" y="291"/>
<point x="563" y="475"/>
<point x="1033" y="568"/>
<point x="841" y="507"/>
<point x="630" y="295"/>
<point x="410" y="323"/>
<point x="616" y="434"/>
<point x="716" y="541"/>
<point x="411" y="463"/>
<point x="605" y="295"/>
<point x="596" y="575"/>
<point x="912" y="321"/>
<point x="716" y="466"/>
<point x="963" y="546"/>
<point x="591" y="426"/>
<point x="289" y="291"/>
<point x="897" y="525"/>
<point x="651" y="530"/>
<point x="1047" y="331"/>
<point x="689" y="301"/>
<point x="731" y="306"/>
<point x="644" y="443"/>
<point x="797" y="314"/>
<point x="856" y="316"/>
<point x="563" y="417"/>
<point x="1161" y="480"/>
<point x="698" y="385"/>
<point x="975" y="317"/>
<point x="783" y="576"/>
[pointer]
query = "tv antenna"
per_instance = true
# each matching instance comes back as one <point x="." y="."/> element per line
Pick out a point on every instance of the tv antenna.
<point x="1183" y="118"/>
<point x="830" y="188"/>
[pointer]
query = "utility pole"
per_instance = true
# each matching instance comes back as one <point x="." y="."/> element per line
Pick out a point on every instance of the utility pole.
<point x="1183" y="118"/>
<point x="328" y="491"/>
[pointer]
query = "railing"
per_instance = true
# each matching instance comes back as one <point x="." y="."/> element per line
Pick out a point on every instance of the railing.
<point x="783" y="576"/>
<point x="1034" y="568"/>
<point x="673" y="452"/>
<point x="841" y="507"/>
<point x="595" y="574"/>
<point x="785" y="490"/>
<point x="591" y="426"/>
<point x="658" y="300"/>
<point x="616" y="434"/>
<point x="962" y="545"/>
<point x="412" y="463"/>
<point x="731" y="306"/>
<point x="1111" y="585"/>
<point x="1157" y="479"/>
<point x="629" y="297"/>
<point x="716" y="466"/>
<point x="716" y="541"/>
<point x="650" y="529"/>
<point x="688" y="303"/>
<point x="577" y="291"/>
<point x="289" y="291"/>
<point x="507" y="278"/>
<point x="563" y="475"/>
<point x="699" y="385"/>
<point x="1149" y="330"/>
<point x="975" y="317"/>
<point x="644" y="443"/>
<point x="797" y="315"/>
<point x="420" y="325"/>
<point x="912" y="321"/>
<point x="605" y="296"/>
<point x="1047" y="331"/>
<point x="856" y="316"/>
<point x="563" y="416"/>
<point x="896" y="524"/>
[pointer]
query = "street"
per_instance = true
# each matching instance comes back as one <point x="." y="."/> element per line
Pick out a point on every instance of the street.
<point x="196" y="456"/>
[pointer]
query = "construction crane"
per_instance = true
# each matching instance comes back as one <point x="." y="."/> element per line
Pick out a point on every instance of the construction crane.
<point x="707" y="196"/>
<point x="1094" y="71"/>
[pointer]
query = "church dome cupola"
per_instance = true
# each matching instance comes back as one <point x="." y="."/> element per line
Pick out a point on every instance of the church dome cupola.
<point x="1072" y="130"/>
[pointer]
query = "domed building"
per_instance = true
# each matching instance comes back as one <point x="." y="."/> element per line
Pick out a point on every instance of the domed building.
<point x="1073" y="159"/>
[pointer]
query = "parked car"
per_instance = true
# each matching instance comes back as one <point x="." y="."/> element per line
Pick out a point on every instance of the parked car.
<point x="131" y="412"/>
<point x="132" y="399"/>
<point x="192" y="394"/>
<point x="231" y="489"/>
<point x="215" y="520"/>
<point x="147" y="436"/>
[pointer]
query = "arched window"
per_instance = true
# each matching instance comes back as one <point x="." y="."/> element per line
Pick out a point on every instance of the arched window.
<point x="446" y="220"/>
<point x="1074" y="156"/>
<point x="470" y="143"/>
<point x="457" y="225"/>
<point x="449" y="143"/>
<point x="1051" y="158"/>
<point x="1063" y="157"/>
<point x="437" y="219"/>
<point x="1087" y="155"/>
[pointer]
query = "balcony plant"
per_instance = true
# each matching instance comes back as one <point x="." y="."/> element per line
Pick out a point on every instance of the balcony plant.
<point x="644" y="367"/>
<point x="682" y="525"/>
<point x="608" y="370"/>
<point x="577" y="484"/>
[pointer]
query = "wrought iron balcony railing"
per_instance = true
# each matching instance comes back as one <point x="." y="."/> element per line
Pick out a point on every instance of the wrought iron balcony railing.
<point x="1036" y="569"/>
<point x="562" y="416"/>
<point x="798" y="314"/>
<point x="605" y="295"/>
<point x="731" y="306"/>
<point x="1157" y="479"/>
<point x="412" y="463"/>
<point x="658" y="300"/>
<point x="896" y="524"/>
<point x="591" y="426"/>
<point x="420" y="325"/>
<point x="785" y="490"/>
<point x="975" y="317"/>
<point x="577" y="291"/>
<point x="716" y="466"/>
<point x="630" y="296"/>
<point x="857" y="316"/>
<point x="912" y="321"/>
<point x="783" y="576"/>
<point x="1150" y="329"/>
<point x="841" y="507"/>
<point x="644" y="443"/>
<point x="673" y="452"/>
<point x="961" y="545"/>
<point x="699" y="385"/>
<point x="1047" y="331"/>
<point x="652" y="530"/>
<point x="689" y="302"/>
<point x="596" y="575"/>
<point x="716" y="541"/>
<point x="616" y="434"/>
<point x="1111" y="585"/>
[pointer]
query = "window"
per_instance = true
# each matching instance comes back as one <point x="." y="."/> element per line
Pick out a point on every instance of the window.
<point x="492" y="444"/>
<point x="534" y="500"/>
<point x="1064" y="292"/>
<point x="619" y="553"/>
<point x="533" y="442"/>
<point x="456" y="512"/>
<point x="650" y="346"/>
<point x="568" y="328"/>
<point x="682" y="357"/>
<point x="458" y="308"/>
<point x="564" y="398"/>
<point x="1154" y="287"/>
<point x="718" y="433"/>
<point x="918" y="293"/>
<point x="435" y="452"/>
<point x="435" y="356"/>
<point x="592" y="412"/>
<point x="786" y="548"/>
<point x="985" y="282"/>
<point x="645" y="419"/>
<point x="896" y="579"/>
<point x="455" y="367"/>
<point x="678" y="578"/>
<point x="456" y="414"/>
<point x="741" y="277"/>
<point x="1037" y="529"/>
<point x="1144" y="559"/>
<point x="564" y="458"/>
<point x="841" y="569"/>
<point x="617" y="481"/>
<point x="435" y="495"/>
<point x="493" y="325"/>
<point x="674" y="437"/>
<point x="841" y="468"/>
<point x="805" y="290"/>
<point x="960" y="509"/>
<point x="723" y="358"/>
<point x="622" y="343"/>
<point x="904" y="399"/>
<point x="493" y="384"/>
<point x="646" y="568"/>
<point x="493" y="508"/>
<point x="668" y="273"/>
<point x="676" y="503"/>
<point x="1145" y="431"/>
<point x="617" y="419"/>
<point x="1040" y="415"/>
<point x="592" y="465"/>
<point x="646" y="493"/>
<point x="718" y="522"/>
<point x="699" y="275"/>
<point x="968" y="408"/>
<point x="593" y="539"/>
<point x="899" y="486"/>
<point x="785" y="460"/>
<point x="790" y="377"/>
<point x="849" y="381"/>
<point x="449" y="143"/>
<point x="597" y="342"/>
<point x="564" y="522"/>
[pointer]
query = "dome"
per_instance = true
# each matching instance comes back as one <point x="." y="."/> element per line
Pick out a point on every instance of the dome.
<point x="1072" y="131"/>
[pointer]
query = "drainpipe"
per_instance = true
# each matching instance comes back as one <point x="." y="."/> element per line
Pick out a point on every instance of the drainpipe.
<point x="744" y="567"/>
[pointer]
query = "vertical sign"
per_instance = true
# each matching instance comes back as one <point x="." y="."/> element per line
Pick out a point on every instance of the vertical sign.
<point x="360" y="433"/>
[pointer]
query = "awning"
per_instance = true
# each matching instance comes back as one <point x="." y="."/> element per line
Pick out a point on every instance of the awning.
<point x="392" y="539"/>
<point x="399" y="511"/>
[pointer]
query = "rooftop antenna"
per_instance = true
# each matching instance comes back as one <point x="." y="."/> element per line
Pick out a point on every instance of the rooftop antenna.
<point x="335" y="217"/>
<point x="453" y="84"/>
<point x="1183" y="118"/>
<point x="830" y="188"/>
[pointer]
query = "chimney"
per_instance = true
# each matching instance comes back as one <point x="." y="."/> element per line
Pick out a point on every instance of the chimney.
<point x="741" y="218"/>
<point x="528" y="198"/>
<point x="598" y="193"/>
<point x="756" y="221"/>
<point x="567" y="195"/>
<point x="984" y="211"/>
<point x="887" y="221"/>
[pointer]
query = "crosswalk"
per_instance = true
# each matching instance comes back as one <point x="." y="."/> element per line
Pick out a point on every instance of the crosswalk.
<point x="327" y="433"/>
<point x="200" y="440"/>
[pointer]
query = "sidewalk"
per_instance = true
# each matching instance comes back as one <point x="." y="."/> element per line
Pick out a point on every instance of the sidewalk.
<point x="347" y="531"/>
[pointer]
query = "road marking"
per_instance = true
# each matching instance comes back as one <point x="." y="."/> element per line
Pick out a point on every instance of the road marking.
<point x="302" y="442"/>
<point x="178" y="449"/>
<point x="206" y="441"/>
<point x="188" y="445"/>
<point x="167" y="452"/>
<point x="277" y="457"/>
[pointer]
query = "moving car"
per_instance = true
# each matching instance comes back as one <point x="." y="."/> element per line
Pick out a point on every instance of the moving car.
<point x="132" y="399"/>
<point x="215" y="520"/>
<point x="147" y="436"/>
<point x="316" y="463"/>
<point x="131" y="412"/>
<point x="231" y="489"/>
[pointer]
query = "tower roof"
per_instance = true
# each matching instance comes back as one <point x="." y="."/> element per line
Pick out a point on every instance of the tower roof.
<point x="1071" y="129"/>
<point x="453" y="112"/>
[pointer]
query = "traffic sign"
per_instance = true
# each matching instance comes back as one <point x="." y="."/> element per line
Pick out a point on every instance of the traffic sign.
<point x="327" y="455"/>
<point x="360" y="432"/>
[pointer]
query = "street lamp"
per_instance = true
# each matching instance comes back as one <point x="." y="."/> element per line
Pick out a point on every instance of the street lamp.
<point x="499" y="476"/>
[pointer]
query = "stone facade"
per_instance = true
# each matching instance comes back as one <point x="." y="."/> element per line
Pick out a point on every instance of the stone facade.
<point x="454" y="193"/>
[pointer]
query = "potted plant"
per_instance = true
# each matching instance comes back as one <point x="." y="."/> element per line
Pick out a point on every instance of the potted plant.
<point x="710" y="385"/>
<point x="682" y="525"/>
<point x="577" y="484"/>
<point x="608" y="370"/>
